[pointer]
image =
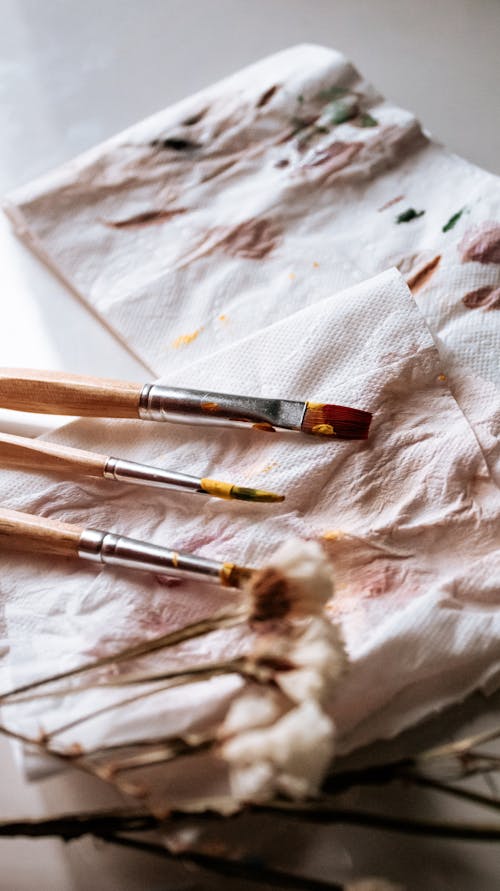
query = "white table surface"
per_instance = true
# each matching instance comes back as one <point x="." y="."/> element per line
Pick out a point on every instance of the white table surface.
<point x="71" y="74"/>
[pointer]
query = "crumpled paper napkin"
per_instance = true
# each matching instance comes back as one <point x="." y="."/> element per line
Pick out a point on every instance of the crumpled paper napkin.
<point x="410" y="519"/>
<point x="215" y="239"/>
<point x="264" y="193"/>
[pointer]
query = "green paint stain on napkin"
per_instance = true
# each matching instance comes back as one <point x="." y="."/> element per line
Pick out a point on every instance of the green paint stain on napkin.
<point x="453" y="220"/>
<point x="410" y="214"/>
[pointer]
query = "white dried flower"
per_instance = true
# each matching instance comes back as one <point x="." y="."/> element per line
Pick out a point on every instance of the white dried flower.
<point x="319" y="655"/>
<point x="289" y="756"/>
<point x="307" y="661"/>
<point x="298" y="581"/>
<point x="254" y="708"/>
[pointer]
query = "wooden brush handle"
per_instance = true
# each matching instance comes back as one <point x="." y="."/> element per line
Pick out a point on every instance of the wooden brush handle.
<point x="34" y="454"/>
<point x="27" y="532"/>
<point x="58" y="393"/>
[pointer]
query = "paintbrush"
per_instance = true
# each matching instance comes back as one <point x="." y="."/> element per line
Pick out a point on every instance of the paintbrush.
<point x="40" y="535"/>
<point x="32" y="454"/>
<point x="67" y="394"/>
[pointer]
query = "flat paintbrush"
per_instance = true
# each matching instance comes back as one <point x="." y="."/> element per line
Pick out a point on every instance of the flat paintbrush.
<point x="34" y="454"/>
<point x="67" y="394"/>
<point x="40" y="535"/>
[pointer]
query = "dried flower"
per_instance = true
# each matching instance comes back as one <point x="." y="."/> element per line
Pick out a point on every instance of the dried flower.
<point x="289" y="756"/>
<point x="254" y="708"/>
<point x="317" y="659"/>
<point x="297" y="582"/>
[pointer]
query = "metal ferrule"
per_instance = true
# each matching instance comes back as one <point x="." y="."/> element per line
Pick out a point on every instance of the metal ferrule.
<point x="118" y="550"/>
<point x="158" y="403"/>
<point x="143" y="475"/>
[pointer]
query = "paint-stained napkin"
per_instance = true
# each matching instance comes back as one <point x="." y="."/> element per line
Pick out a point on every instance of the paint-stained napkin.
<point x="410" y="519"/>
<point x="215" y="239"/>
<point x="265" y="193"/>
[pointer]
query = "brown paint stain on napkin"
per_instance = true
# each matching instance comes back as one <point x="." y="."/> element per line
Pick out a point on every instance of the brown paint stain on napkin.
<point x="147" y="218"/>
<point x="420" y="278"/>
<point x="253" y="239"/>
<point x="267" y="96"/>
<point x="487" y="297"/>
<point x="481" y="244"/>
<point x="336" y="155"/>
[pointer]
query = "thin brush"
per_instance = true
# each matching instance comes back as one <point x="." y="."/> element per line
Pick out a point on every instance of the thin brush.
<point x="40" y="535"/>
<point x="35" y="455"/>
<point x="54" y="393"/>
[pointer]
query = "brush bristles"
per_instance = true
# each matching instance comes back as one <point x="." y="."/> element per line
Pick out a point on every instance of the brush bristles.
<point x="244" y="494"/>
<point x="339" y="421"/>
<point x="218" y="489"/>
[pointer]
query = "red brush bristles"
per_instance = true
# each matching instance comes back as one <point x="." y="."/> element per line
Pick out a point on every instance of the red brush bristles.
<point x="340" y="421"/>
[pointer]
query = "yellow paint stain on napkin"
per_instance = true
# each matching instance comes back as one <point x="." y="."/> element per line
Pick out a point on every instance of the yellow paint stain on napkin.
<point x="333" y="535"/>
<point x="185" y="339"/>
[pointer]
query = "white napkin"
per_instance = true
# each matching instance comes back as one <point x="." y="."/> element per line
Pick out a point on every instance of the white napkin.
<point x="410" y="519"/>
<point x="247" y="201"/>
<point x="416" y="506"/>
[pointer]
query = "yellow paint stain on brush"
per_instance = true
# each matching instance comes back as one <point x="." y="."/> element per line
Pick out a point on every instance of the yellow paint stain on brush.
<point x="323" y="429"/>
<point x="234" y="576"/>
<point x="216" y="488"/>
<point x="185" y="339"/>
<point x="228" y="491"/>
<point x="175" y="559"/>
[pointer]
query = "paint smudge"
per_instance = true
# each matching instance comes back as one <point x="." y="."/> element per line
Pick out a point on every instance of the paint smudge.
<point x="410" y="214"/>
<point x="452" y="222"/>
<point x="147" y="218"/>
<point x="487" y="297"/>
<point x="303" y="125"/>
<point x="441" y="377"/>
<point x="266" y="97"/>
<point x="223" y="318"/>
<point x="420" y="278"/>
<point x="264" y="427"/>
<point x="177" y="144"/>
<point x="195" y="118"/>
<point x="315" y="264"/>
<point x="323" y="429"/>
<point x="366" y="120"/>
<point x="253" y="239"/>
<point x="268" y="467"/>
<point x="390" y="202"/>
<point x="308" y="133"/>
<point x="335" y="156"/>
<point x="481" y="244"/>
<point x="283" y="162"/>
<point x="185" y="339"/>
<point x="333" y="535"/>
<point x="331" y="93"/>
<point x="258" y="469"/>
<point x="340" y="110"/>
